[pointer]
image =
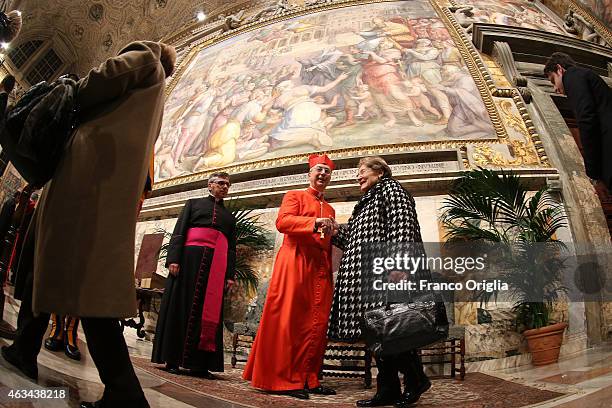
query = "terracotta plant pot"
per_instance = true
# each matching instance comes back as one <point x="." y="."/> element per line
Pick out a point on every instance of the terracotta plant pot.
<point x="545" y="343"/>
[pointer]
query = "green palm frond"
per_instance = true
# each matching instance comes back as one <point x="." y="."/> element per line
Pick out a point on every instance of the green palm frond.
<point x="252" y="239"/>
<point x="493" y="206"/>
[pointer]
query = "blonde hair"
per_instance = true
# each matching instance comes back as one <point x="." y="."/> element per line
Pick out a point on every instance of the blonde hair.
<point x="376" y="163"/>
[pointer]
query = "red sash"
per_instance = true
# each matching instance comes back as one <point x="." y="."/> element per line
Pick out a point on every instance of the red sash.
<point x="213" y="297"/>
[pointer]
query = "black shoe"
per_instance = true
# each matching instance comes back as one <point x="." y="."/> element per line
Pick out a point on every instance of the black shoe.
<point x="202" y="374"/>
<point x="301" y="393"/>
<point x="377" y="401"/>
<point x="322" y="390"/>
<point x="72" y="352"/>
<point x="53" y="344"/>
<point x="97" y="404"/>
<point x="103" y="404"/>
<point x="410" y="397"/>
<point x="30" y="370"/>
<point x="172" y="369"/>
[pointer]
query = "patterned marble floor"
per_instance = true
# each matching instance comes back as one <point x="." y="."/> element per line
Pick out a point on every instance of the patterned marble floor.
<point x="585" y="380"/>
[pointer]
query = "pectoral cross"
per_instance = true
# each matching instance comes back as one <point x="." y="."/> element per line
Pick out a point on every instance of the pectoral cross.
<point x="320" y="230"/>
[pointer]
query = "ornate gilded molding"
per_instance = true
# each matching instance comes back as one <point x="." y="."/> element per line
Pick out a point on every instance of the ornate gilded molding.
<point x="532" y="134"/>
<point x="334" y="154"/>
<point x="476" y="66"/>
<point x="503" y="55"/>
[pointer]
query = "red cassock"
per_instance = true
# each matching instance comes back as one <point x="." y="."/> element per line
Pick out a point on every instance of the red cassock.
<point x="292" y="335"/>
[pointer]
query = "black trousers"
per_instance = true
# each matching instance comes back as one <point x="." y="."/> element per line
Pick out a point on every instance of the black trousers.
<point x="104" y="340"/>
<point x="387" y="381"/>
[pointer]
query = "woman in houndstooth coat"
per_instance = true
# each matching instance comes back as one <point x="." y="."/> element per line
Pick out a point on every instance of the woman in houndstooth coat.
<point x="385" y="213"/>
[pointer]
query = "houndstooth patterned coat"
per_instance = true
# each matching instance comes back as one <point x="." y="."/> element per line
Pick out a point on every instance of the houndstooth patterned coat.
<point x="385" y="214"/>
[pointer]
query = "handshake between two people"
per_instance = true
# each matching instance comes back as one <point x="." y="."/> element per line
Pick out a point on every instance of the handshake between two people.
<point x="327" y="226"/>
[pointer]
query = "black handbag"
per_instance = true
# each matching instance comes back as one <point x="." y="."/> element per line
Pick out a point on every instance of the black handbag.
<point x="399" y="327"/>
<point x="35" y="132"/>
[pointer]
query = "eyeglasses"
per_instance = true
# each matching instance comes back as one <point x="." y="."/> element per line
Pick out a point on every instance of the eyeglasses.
<point x="321" y="169"/>
<point x="222" y="183"/>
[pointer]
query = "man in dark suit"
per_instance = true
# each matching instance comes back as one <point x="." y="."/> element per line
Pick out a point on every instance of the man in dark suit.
<point x="591" y="100"/>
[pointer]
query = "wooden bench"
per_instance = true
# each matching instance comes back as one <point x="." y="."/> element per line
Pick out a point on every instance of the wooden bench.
<point x="356" y="359"/>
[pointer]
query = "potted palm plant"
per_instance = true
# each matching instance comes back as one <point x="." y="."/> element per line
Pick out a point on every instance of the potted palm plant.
<point x="495" y="207"/>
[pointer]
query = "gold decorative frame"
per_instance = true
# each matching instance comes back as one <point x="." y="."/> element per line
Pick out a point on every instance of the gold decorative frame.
<point x="476" y="66"/>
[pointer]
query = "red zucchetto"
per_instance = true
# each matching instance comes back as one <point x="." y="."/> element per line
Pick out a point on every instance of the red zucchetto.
<point x="315" y="159"/>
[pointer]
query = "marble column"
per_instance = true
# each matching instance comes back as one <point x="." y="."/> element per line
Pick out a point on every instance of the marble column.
<point x="586" y="219"/>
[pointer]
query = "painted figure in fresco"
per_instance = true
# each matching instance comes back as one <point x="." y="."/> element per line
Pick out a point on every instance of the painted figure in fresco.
<point x="252" y="143"/>
<point x="223" y="144"/>
<point x="416" y="90"/>
<point x="326" y="120"/>
<point x="423" y="63"/>
<point x="397" y="31"/>
<point x="222" y="86"/>
<point x="364" y="98"/>
<point x="191" y="122"/>
<point x="350" y="66"/>
<point x="438" y="31"/>
<point x="382" y="75"/>
<point x="301" y="122"/>
<point x="469" y="116"/>
<point x="321" y="69"/>
<point x="449" y="54"/>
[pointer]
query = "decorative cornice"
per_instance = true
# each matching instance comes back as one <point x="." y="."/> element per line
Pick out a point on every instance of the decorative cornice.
<point x="536" y="46"/>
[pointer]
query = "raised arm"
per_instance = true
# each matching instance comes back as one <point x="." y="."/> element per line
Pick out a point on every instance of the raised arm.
<point x="289" y="220"/>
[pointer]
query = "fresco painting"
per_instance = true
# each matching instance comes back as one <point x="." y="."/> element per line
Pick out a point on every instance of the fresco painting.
<point x="514" y="13"/>
<point x="357" y="76"/>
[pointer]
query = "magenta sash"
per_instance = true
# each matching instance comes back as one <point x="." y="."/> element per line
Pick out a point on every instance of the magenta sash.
<point x="213" y="298"/>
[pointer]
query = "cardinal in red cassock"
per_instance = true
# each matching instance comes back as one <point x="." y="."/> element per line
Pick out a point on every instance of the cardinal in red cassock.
<point x="288" y="350"/>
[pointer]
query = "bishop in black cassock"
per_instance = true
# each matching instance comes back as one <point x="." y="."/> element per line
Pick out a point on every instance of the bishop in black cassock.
<point x="201" y="260"/>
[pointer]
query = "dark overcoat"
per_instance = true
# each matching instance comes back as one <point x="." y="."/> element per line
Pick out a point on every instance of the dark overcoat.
<point x="86" y="217"/>
<point x="383" y="219"/>
<point x="591" y="100"/>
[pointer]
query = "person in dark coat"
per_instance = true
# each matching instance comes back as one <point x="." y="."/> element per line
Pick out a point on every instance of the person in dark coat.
<point x="6" y="216"/>
<point x="78" y="254"/>
<point x="201" y="261"/>
<point x="591" y="100"/>
<point x="386" y="213"/>
<point x="22" y="219"/>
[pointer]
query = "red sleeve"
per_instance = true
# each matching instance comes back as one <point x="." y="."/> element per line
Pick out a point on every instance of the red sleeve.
<point x="289" y="221"/>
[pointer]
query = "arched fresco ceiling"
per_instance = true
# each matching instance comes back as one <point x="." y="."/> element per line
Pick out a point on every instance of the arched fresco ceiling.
<point x="96" y="29"/>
